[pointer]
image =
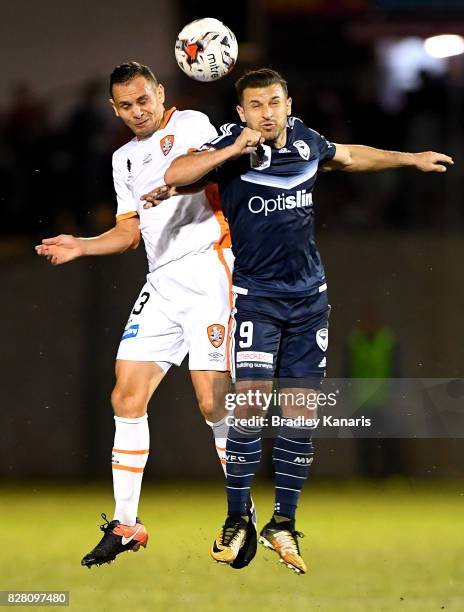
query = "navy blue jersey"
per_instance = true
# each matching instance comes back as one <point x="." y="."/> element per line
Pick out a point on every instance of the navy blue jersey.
<point x="269" y="205"/>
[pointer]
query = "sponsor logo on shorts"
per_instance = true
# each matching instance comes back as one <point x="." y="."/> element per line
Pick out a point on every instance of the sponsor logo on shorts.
<point x="254" y="359"/>
<point x="216" y="334"/>
<point x="322" y="338"/>
<point x="258" y="356"/>
<point x="131" y="331"/>
<point x="167" y="143"/>
<point x="216" y="356"/>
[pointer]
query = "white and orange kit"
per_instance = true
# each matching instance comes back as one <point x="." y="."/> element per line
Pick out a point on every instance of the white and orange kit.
<point x="185" y="305"/>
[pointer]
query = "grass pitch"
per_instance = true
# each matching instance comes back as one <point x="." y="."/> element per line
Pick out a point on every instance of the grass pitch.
<point x="395" y="547"/>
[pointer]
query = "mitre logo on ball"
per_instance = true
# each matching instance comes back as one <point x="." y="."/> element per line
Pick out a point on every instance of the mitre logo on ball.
<point x="206" y="49"/>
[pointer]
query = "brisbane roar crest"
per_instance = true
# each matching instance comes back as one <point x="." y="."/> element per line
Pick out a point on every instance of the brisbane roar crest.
<point x="166" y="143"/>
<point x="216" y="333"/>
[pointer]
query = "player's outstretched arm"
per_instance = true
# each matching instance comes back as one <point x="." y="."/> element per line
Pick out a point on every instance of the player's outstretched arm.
<point x="359" y="158"/>
<point x="123" y="236"/>
<point x="192" y="167"/>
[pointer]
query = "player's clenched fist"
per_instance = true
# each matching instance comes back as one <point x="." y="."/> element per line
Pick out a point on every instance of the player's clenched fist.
<point x="60" y="249"/>
<point x="247" y="141"/>
<point x="429" y="161"/>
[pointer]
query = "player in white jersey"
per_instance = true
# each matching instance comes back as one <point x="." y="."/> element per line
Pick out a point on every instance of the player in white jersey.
<point x="184" y="306"/>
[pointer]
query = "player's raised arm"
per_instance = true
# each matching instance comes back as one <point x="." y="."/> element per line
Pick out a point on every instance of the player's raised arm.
<point x="191" y="167"/>
<point x="60" y="249"/>
<point x="360" y="158"/>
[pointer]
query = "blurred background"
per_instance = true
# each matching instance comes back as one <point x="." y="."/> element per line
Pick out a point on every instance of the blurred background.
<point x="392" y="243"/>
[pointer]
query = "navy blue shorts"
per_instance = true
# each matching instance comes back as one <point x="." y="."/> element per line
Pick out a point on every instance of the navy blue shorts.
<point x="280" y="337"/>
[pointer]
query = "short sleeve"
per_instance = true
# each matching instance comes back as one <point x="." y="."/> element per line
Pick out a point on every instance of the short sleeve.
<point x="228" y="133"/>
<point x="326" y="149"/>
<point x="126" y="204"/>
<point x="194" y="130"/>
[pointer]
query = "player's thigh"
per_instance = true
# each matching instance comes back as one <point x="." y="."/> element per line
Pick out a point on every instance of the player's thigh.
<point x="206" y="319"/>
<point x="256" y="340"/>
<point x="136" y="382"/>
<point x="210" y="389"/>
<point x="151" y="333"/>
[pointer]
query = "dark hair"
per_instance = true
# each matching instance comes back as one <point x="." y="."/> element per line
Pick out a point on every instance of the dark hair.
<point x="130" y="70"/>
<point x="263" y="77"/>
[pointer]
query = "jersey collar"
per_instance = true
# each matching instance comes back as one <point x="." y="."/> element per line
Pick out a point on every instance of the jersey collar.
<point x="166" y="117"/>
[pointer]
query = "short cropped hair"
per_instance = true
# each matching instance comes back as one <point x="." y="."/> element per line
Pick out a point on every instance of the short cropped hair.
<point x="263" y="77"/>
<point x="128" y="71"/>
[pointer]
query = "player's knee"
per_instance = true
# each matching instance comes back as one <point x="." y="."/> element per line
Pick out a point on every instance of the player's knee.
<point x="127" y="404"/>
<point x="212" y="409"/>
<point x="206" y="405"/>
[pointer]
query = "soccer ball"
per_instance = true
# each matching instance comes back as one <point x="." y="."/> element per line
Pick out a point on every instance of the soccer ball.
<point x="206" y="50"/>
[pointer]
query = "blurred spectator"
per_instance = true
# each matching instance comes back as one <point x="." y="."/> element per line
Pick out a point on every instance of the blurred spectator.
<point x="372" y="353"/>
<point x="27" y="141"/>
<point x="86" y="165"/>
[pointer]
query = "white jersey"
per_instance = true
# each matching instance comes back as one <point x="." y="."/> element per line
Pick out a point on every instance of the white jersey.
<point x="181" y="225"/>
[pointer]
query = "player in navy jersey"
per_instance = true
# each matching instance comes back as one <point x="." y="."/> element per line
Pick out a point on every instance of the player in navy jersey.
<point x="266" y="171"/>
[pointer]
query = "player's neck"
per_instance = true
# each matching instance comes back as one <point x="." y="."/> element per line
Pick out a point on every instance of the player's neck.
<point x="280" y="141"/>
<point x="160" y="124"/>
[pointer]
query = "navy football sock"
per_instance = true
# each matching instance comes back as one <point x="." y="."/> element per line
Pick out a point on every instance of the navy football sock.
<point x="292" y="456"/>
<point x="243" y="453"/>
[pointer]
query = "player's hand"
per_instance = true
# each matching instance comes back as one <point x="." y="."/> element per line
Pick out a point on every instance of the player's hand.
<point x="60" y="249"/>
<point x="247" y="141"/>
<point x="429" y="161"/>
<point x="158" y="195"/>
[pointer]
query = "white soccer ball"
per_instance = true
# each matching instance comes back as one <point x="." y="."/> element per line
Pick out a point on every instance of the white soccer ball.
<point x="206" y="50"/>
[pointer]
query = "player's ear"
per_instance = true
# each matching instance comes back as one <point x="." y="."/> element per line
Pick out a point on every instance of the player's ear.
<point x="113" y="106"/>
<point x="160" y="93"/>
<point x="289" y="107"/>
<point x="240" y="112"/>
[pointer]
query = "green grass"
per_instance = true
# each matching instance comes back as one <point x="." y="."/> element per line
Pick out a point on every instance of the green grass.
<point x="394" y="547"/>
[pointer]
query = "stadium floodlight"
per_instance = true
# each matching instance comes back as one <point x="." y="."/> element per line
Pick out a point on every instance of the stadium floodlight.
<point x="444" y="45"/>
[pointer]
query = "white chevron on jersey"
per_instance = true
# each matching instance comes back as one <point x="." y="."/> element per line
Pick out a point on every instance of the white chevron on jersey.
<point x="282" y="182"/>
<point x="226" y="130"/>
